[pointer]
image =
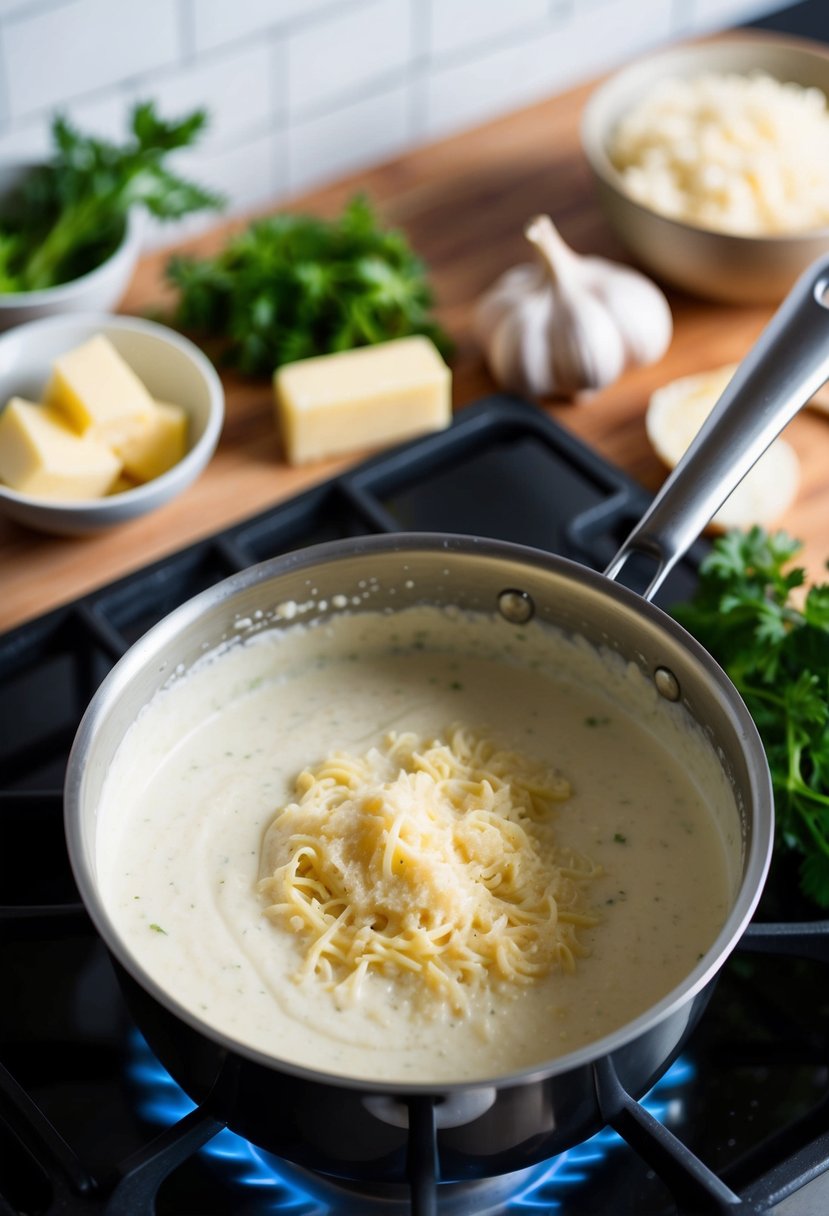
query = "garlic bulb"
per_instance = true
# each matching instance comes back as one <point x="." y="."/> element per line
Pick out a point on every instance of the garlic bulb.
<point x="569" y="323"/>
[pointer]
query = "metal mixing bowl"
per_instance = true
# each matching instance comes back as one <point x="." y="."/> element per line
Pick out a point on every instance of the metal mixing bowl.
<point x="716" y="265"/>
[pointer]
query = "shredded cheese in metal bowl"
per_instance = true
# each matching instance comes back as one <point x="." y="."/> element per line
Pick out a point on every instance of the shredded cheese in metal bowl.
<point x="733" y="153"/>
<point x="430" y="859"/>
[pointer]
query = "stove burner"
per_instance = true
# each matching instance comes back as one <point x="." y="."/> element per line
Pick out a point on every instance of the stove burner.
<point x="284" y="1187"/>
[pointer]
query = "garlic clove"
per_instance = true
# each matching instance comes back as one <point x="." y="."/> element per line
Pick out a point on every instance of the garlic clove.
<point x="586" y="347"/>
<point x="638" y="307"/>
<point x="518" y="350"/>
<point x="512" y="287"/>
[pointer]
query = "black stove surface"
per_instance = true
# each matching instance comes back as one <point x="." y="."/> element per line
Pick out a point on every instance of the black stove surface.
<point x="91" y="1123"/>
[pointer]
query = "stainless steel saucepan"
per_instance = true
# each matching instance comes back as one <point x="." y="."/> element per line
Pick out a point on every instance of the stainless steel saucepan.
<point x="383" y="1132"/>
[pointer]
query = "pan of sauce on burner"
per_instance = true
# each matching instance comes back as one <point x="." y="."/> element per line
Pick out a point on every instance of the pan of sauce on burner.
<point x="435" y="819"/>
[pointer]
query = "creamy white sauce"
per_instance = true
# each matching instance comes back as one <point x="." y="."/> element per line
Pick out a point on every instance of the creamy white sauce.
<point x="197" y="780"/>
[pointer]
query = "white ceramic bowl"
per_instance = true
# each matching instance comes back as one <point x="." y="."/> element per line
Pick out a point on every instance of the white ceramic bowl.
<point x="171" y="367"/>
<point x="715" y="265"/>
<point x="97" y="291"/>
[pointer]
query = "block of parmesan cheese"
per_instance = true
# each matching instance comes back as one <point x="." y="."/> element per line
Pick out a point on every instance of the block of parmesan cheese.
<point x="362" y="398"/>
<point x="97" y="390"/>
<point x="152" y="444"/>
<point x="41" y="455"/>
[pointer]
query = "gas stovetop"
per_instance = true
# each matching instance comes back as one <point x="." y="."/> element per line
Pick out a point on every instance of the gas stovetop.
<point x="91" y="1123"/>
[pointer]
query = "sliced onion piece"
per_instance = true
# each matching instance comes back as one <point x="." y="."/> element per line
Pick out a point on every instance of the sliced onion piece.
<point x="675" y="413"/>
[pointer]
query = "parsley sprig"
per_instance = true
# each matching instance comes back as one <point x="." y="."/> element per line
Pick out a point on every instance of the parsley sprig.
<point x="290" y="286"/>
<point x="68" y="215"/>
<point x="777" y="654"/>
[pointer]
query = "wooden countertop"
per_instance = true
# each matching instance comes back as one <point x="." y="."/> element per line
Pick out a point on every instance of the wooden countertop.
<point x="463" y="203"/>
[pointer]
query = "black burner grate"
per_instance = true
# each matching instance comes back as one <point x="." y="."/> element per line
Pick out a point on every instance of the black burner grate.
<point x="756" y="1106"/>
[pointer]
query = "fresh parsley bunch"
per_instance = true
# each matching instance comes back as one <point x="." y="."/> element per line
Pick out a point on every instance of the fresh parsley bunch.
<point x="777" y="655"/>
<point x="291" y="286"/>
<point x="68" y="215"/>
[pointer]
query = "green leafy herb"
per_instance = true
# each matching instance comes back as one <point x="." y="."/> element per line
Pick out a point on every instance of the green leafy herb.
<point x="157" y="929"/>
<point x="68" y="216"/>
<point x="291" y="286"/>
<point x="777" y="654"/>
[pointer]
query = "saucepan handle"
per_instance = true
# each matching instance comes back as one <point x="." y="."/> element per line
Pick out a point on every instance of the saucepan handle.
<point x="783" y="370"/>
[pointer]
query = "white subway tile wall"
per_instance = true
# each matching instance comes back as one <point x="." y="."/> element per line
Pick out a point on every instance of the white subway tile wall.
<point x="361" y="48"/>
<point x="218" y="23"/>
<point x="458" y="25"/>
<point x="55" y="54"/>
<point x="523" y="69"/>
<point x="302" y="91"/>
<point x="348" y="138"/>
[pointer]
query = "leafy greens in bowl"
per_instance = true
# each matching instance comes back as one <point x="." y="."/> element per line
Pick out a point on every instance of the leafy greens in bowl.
<point x="69" y="235"/>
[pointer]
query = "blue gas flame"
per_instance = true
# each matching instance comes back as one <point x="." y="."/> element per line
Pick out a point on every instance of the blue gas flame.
<point x="162" y="1101"/>
<point x="545" y="1189"/>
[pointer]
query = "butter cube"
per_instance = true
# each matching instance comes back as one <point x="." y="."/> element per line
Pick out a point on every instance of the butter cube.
<point x="361" y="398"/>
<point x="121" y="485"/>
<point x="41" y="455"/>
<point x="97" y="390"/>
<point x="151" y="445"/>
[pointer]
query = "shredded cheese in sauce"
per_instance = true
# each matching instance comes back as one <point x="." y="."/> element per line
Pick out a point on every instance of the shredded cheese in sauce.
<point x="431" y="858"/>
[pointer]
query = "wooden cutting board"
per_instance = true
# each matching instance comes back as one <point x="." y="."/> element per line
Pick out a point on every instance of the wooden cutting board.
<point x="463" y="203"/>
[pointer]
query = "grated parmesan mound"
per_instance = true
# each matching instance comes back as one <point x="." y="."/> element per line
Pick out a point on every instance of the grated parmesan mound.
<point x="426" y="858"/>
<point x="741" y="154"/>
